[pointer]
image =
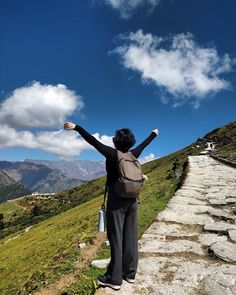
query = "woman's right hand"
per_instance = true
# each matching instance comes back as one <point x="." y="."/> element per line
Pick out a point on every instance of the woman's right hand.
<point x="69" y="126"/>
<point x="156" y="131"/>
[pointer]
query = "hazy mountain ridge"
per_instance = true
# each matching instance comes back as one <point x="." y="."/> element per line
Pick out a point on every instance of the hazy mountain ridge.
<point x="79" y="169"/>
<point x="38" y="177"/>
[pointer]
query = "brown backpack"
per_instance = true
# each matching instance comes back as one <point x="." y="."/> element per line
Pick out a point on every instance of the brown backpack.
<point x="130" y="179"/>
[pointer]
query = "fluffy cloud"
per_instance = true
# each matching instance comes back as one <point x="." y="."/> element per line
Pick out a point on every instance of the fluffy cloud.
<point x="39" y="105"/>
<point x="177" y="65"/>
<point x="128" y="7"/>
<point x="43" y="106"/>
<point x="147" y="158"/>
<point x="9" y="137"/>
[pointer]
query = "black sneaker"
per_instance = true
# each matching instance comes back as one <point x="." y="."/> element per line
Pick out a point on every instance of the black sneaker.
<point x="129" y="279"/>
<point x="105" y="281"/>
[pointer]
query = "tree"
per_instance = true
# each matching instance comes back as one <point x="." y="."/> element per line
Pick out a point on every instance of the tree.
<point x="35" y="211"/>
<point x="1" y="221"/>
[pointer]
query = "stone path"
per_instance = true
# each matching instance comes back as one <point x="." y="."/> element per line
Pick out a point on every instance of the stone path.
<point x="191" y="247"/>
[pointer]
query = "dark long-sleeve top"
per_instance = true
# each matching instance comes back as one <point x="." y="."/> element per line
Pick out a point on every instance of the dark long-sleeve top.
<point x="111" y="153"/>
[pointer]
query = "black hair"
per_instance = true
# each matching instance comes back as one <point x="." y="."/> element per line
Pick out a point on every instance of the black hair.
<point x="124" y="139"/>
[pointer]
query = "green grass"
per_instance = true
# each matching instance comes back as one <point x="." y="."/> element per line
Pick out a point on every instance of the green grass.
<point x="8" y="210"/>
<point x="47" y="250"/>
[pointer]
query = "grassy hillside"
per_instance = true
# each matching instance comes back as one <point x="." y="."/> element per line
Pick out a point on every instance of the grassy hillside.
<point x="49" y="249"/>
<point x="9" y="188"/>
<point x="30" y="260"/>
<point x="41" y="208"/>
<point x="225" y="141"/>
<point x="8" y="210"/>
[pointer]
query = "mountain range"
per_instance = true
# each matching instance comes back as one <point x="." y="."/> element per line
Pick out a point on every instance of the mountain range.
<point x="45" y="176"/>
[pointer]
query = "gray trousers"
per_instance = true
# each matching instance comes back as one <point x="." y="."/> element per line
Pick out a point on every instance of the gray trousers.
<point x="122" y="232"/>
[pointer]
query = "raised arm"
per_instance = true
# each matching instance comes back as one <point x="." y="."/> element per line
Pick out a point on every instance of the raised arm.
<point x="105" y="150"/>
<point x="138" y="150"/>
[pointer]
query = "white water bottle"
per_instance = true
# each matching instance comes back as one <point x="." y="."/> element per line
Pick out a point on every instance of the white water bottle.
<point x="102" y="220"/>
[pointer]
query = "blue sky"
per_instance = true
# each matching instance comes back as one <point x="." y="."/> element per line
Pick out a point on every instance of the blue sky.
<point x="108" y="64"/>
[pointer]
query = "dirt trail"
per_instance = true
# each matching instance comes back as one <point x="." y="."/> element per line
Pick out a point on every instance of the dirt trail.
<point x="86" y="255"/>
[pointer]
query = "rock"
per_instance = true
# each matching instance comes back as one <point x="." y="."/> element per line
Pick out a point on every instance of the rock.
<point x="231" y="200"/>
<point x="82" y="245"/>
<point x="107" y="243"/>
<point x="187" y="200"/>
<point x="221" y="213"/>
<point x="222" y="280"/>
<point x="217" y="201"/>
<point x="174" y="230"/>
<point x="222" y="227"/>
<point x="232" y="234"/>
<point x="184" y="217"/>
<point x="225" y="251"/>
<point x="209" y="239"/>
<point x="155" y="246"/>
<point x="103" y="263"/>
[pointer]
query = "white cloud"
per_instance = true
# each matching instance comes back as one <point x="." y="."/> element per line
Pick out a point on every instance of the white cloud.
<point x="147" y="158"/>
<point x="39" y="105"/>
<point x="9" y="137"/>
<point x="128" y="7"/>
<point x="177" y="65"/>
<point x="43" y="106"/>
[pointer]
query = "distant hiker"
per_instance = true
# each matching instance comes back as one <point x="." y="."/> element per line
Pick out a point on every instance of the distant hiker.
<point x="175" y="168"/>
<point x="122" y="224"/>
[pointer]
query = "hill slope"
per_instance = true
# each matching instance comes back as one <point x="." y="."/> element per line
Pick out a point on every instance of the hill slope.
<point x="51" y="247"/>
<point x="224" y="139"/>
<point x="9" y="188"/>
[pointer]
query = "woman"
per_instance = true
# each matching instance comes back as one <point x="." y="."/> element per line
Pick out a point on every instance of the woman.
<point x="122" y="225"/>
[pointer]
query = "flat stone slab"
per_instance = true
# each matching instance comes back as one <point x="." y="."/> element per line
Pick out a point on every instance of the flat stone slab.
<point x="222" y="227"/>
<point x="102" y="263"/>
<point x="217" y="202"/>
<point x="231" y="200"/>
<point x="184" y="217"/>
<point x="174" y="230"/>
<point x="209" y="239"/>
<point x="153" y="245"/>
<point x="225" y="251"/>
<point x="172" y="205"/>
<point x="221" y="213"/>
<point x="232" y="234"/>
<point x="187" y="200"/>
